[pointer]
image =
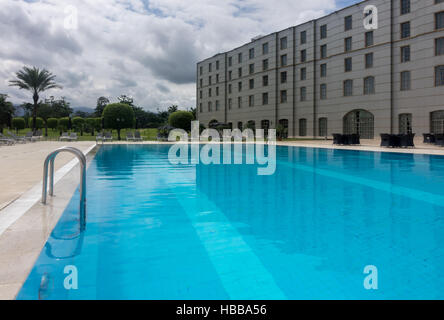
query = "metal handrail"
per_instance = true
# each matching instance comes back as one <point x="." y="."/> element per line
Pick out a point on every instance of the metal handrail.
<point x="49" y="164"/>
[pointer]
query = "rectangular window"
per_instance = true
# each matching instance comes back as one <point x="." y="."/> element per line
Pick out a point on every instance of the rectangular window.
<point x="230" y="88"/>
<point x="369" y="85"/>
<point x="348" y="64"/>
<point x="239" y="102"/>
<point x="209" y="92"/>
<point x="323" y="70"/>
<point x="265" y="98"/>
<point x="251" y="53"/>
<point x="265" y="65"/>
<point x="283" y="60"/>
<point x="200" y="107"/>
<point x="439" y="46"/>
<point x="369" y="41"/>
<point x="283" y="43"/>
<point x="284" y="77"/>
<point x="239" y="72"/>
<point x="265" y="48"/>
<point x="405" y="54"/>
<point x="239" y="57"/>
<point x="230" y="103"/>
<point x="209" y="80"/>
<point x="348" y="88"/>
<point x="230" y="61"/>
<point x="210" y="66"/>
<point x="230" y="75"/>
<point x="439" y="20"/>
<point x="251" y="101"/>
<point x="348" y="44"/>
<point x="323" y="51"/>
<point x="303" y="94"/>
<point x="303" y="74"/>
<point x="200" y="70"/>
<point x="303" y="55"/>
<point x="251" y="68"/>
<point x="323" y="91"/>
<point x="200" y="94"/>
<point x="439" y="76"/>
<point x="251" y="84"/>
<point x="323" y="31"/>
<point x="348" y="23"/>
<point x="201" y="83"/>
<point x="369" y="60"/>
<point x="303" y="127"/>
<point x="239" y="86"/>
<point x="217" y="78"/>
<point x="217" y="105"/>
<point x="405" y="30"/>
<point x="217" y="91"/>
<point x="209" y="107"/>
<point x="217" y="65"/>
<point x="405" y="81"/>
<point x="265" y="81"/>
<point x="405" y="6"/>
<point x="283" y="96"/>
<point x="303" y="37"/>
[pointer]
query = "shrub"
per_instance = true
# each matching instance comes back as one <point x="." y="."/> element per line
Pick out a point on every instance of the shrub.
<point x="52" y="123"/>
<point x="64" y="124"/>
<point x="118" y="116"/>
<point x="93" y="124"/>
<point x="181" y="120"/>
<point x="18" y="124"/>
<point x="78" y="123"/>
<point x="39" y="123"/>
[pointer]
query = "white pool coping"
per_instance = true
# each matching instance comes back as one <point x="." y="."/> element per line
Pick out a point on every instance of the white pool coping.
<point x="16" y="209"/>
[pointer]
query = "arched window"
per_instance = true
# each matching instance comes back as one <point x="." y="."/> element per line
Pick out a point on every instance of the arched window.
<point x="323" y="127"/>
<point x="303" y="127"/>
<point x="265" y="124"/>
<point x="284" y="123"/>
<point x="359" y="122"/>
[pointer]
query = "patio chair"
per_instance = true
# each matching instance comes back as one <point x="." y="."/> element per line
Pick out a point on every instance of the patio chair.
<point x="337" y="138"/>
<point x="129" y="136"/>
<point x="108" y="137"/>
<point x="28" y="136"/>
<point x="64" y="136"/>
<point x="385" y="140"/>
<point x="429" y="138"/>
<point x="73" y="136"/>
<point x="407" y="140"/>
<point x="354" y="139"/>
<point x="16" y="138"/>
<point x="6" y="140"/>
<point x="137" y="136"/>
<point x="37" y="135"/>
<point x="439" y="140"/>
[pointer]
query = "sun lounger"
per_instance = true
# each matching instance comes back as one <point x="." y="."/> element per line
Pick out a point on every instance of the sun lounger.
<point x="6" y="140"/>
<point x="37" y="135"/>
<point x="16" y="138"/>
<point x="64" y="136"/>
<point x="137" y="136"/>
<point x="73" y="136"/>
<point x="108" y="137"/>
<point x="99" y="137"/>
<point x="129" y="136"/>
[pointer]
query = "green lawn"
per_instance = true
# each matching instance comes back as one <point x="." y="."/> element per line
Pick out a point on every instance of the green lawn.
<point x="147" y="134"/>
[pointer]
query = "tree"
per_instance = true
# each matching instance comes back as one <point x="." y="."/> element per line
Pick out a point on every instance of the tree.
<point x="102" y="102"/>
<point x="18" y="124"/>
<point x="118" y="116"/>
<point x="64" y="124"/>
<point x="181" y="120"/>
<point x="60" y="108"/>
<point x="78" y="124"/>
<point x="93" y="124"/>
<point x="172" y="109"/>
<point x="39" y="122"/>
<point x="126" y="100"/>
<point x="194" y="112"/>
<point x="36" y="81"/>
<point x="6" y="112"/>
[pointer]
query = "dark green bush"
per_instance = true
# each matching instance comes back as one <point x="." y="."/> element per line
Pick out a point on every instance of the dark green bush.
<point x="18" y="123"/>
<point x="181" y="120"/>
<point x="118" y="116"/>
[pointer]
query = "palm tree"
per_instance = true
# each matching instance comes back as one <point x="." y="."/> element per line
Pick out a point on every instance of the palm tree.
<point x="36" y="81"/>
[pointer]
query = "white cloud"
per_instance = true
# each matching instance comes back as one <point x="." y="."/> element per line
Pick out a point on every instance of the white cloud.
<point x="146" y="49"/>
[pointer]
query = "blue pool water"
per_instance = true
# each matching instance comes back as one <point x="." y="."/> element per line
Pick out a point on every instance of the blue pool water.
<point x="162" y="231"/>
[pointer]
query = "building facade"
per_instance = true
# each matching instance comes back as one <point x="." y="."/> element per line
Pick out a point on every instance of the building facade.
<point x="332" y="75"/>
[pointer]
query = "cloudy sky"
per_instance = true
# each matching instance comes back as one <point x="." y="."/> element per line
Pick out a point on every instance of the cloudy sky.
<point x="147" y="49"/>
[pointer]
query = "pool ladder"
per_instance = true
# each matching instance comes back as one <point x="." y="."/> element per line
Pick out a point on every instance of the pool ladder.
<point x="49" y="164"/>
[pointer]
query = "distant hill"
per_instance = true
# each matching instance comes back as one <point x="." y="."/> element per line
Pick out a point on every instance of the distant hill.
<point x="20" y="112"/>
<point x="83" y="109"/>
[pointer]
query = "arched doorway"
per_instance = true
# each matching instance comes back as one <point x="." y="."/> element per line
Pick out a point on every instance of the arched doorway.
<point x="437" y="122"/>
<point x="405" y="123"/>
<point x="284" y="124"/>
<point x="360" y="122"/>
<point x="323" y="122"/>
<point x="251" y="125"/>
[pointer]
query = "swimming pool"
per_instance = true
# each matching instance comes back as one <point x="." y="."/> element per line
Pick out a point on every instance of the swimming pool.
<point x="162" y="231"/>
